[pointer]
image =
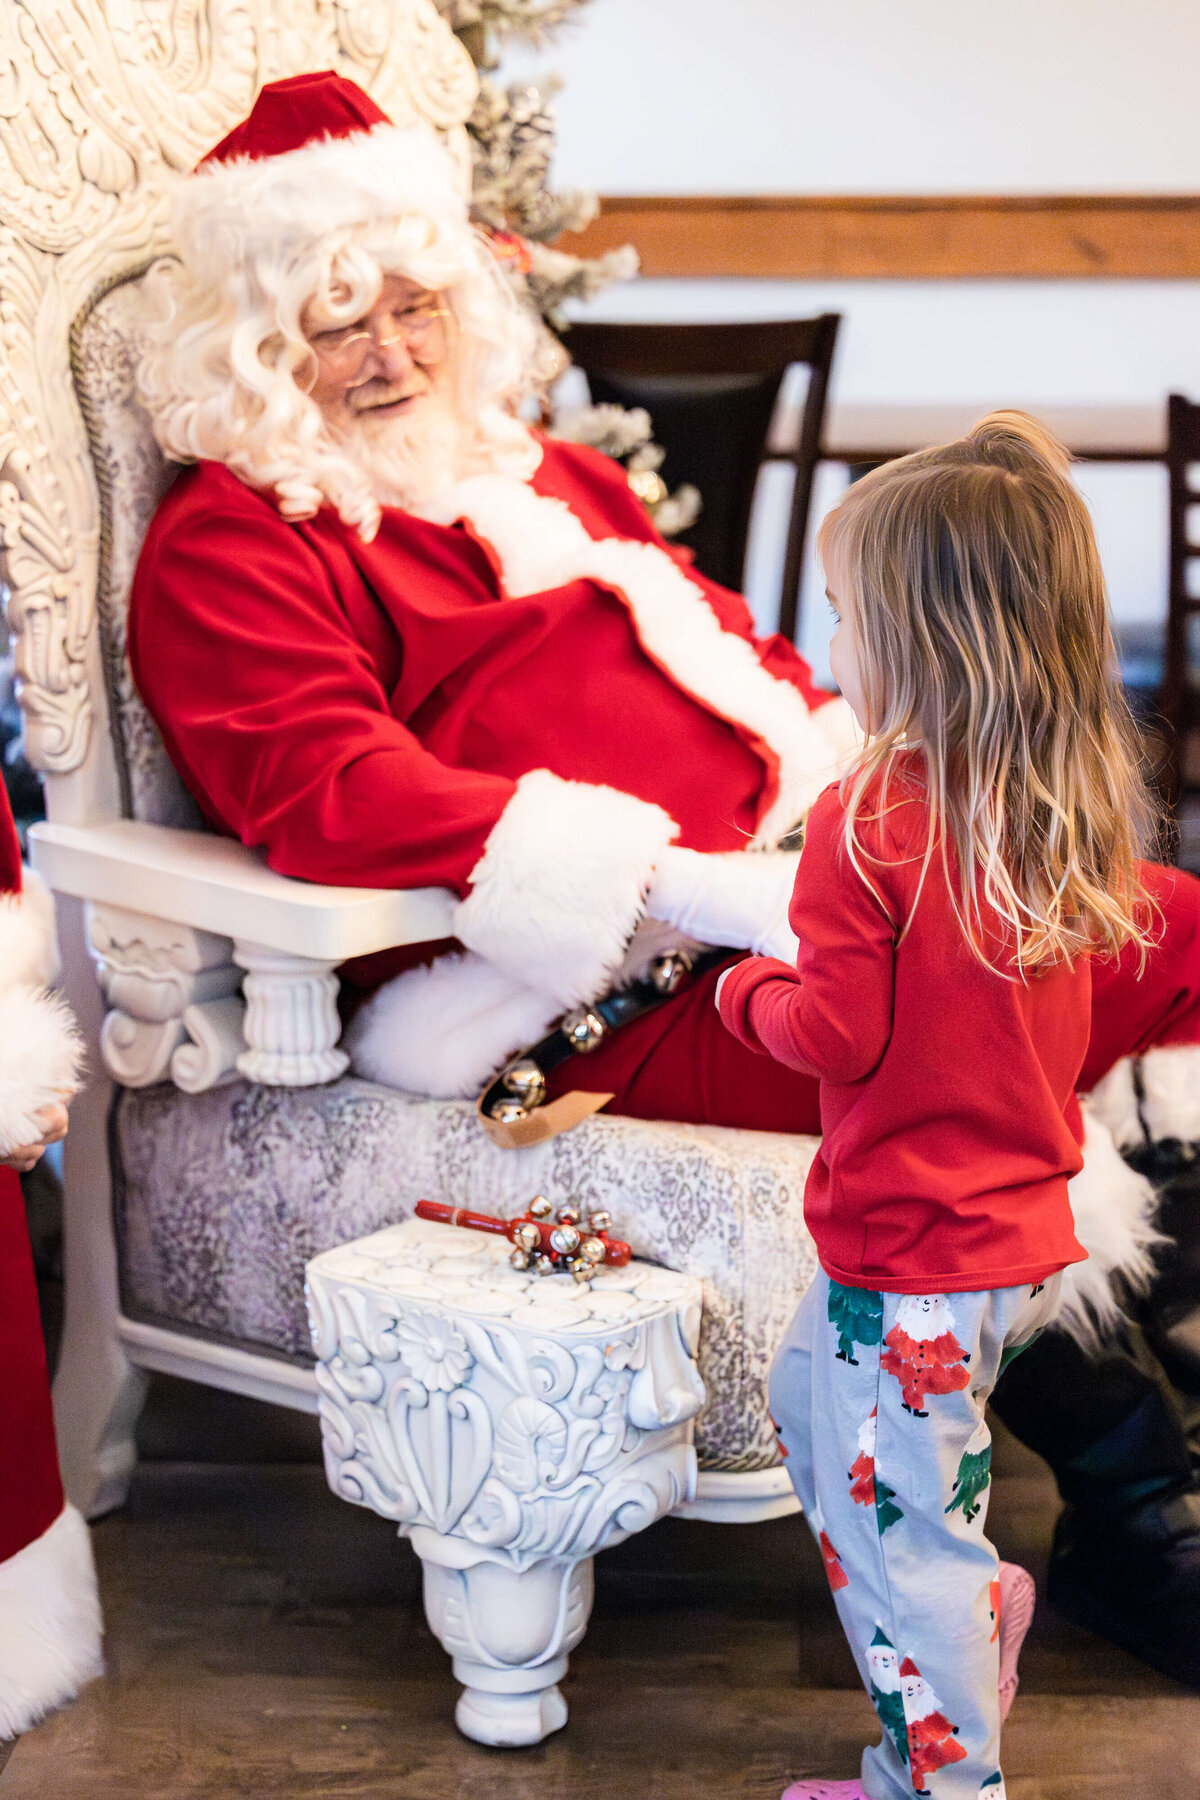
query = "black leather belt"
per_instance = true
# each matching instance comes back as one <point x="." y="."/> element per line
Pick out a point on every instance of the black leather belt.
<point x="509" y="1105"/>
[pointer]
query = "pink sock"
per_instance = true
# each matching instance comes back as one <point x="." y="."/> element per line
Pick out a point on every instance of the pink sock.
<point x="1017" y="1595"/>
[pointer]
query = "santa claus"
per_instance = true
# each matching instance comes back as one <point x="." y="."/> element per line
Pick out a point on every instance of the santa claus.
<point x="396" y="638"/>
<point x="49" y="1612"/>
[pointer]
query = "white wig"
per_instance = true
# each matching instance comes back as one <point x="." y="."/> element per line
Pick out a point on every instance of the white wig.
<point x="224" y="364"/>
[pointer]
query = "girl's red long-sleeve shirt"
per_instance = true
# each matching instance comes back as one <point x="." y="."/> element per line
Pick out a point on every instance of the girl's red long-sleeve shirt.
<point x="948" y="1111"/>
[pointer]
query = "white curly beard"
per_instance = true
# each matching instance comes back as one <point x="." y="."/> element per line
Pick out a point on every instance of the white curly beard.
<point x="406" y="459"/>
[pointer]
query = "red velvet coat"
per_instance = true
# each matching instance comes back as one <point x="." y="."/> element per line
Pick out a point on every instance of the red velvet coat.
<point x="49" y="1615"/>
<point x="522" y="703"/>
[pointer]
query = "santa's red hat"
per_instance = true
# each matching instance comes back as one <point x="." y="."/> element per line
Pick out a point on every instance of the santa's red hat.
<point x="316" y="154"/>
<point x="304" y="109"/>
<point x="908" y="1667"/>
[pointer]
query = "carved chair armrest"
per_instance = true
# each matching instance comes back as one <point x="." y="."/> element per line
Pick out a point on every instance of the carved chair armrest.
<point x="174" y="917"/>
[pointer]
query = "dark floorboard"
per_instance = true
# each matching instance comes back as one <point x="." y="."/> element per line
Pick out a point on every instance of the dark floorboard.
<point x="265" y="1639"/>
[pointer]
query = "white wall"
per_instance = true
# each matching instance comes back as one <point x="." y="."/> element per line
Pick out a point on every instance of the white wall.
<point x="922" y="96"/>
<point x="880" y="96"/>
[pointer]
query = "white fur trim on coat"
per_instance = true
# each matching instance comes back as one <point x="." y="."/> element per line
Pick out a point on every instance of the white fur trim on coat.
<point x="28" y="940"/>
<point x="1114" y="1102"/>
<point x="560" y="885"/>
<point x="541" y="544"/>
<point x="1113" y="1208"/>
<point x="50" y="1625"/>
<point x="444" y="1030"/>
<point x="1171" y="1092"/>
<point x="41" y="1056"/>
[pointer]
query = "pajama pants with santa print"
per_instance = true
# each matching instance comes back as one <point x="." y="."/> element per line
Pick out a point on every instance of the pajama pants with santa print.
<point x="879" y="1403"/>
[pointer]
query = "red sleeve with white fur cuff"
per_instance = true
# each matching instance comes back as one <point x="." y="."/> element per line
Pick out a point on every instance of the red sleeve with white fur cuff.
<point x="561" y="884"/>
<point x="28" y="945"/>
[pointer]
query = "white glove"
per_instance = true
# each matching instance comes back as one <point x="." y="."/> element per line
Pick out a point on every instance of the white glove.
<point x="741" y="899"/>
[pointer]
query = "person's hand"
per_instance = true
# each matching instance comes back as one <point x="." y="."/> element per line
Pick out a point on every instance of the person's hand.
<point x="740" y="900"/>
<point x="652" y="938"/>
<point x="53" y="1122"/>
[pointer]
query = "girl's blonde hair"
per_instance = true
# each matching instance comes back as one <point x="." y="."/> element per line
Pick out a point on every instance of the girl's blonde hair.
<point x="981" y="616"/>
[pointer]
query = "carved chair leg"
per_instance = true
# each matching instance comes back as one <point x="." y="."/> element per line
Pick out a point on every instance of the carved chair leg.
<point x="509" y="1631"/>
<point x="98" y="1393"/>
<point x="291" y="1024"/>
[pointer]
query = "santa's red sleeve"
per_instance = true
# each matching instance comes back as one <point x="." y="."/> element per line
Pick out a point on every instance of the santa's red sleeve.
<point x="49" y="1611"/>
<point x="302" y="756"/>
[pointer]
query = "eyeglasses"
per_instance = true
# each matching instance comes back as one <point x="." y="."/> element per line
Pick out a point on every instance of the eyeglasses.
<point x="343" y="353"/>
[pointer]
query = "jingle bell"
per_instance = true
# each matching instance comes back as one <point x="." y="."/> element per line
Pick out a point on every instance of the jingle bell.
<point x="564" y="1239"/>
<point x="526" y="1081"/>
<point x="568" y="1215"/>
<point x="584" y="1030"/>
<point x="544" y="1265"/>
<point x="540" y="1207"/>
<point x="526" y="1237"/>
<point x="518" y="1259"/>
<point x="669" y="971"/>
<point x="509" y="1112"/>
<point x="600" y="1220"/>
<point x="593" y="1250"/>
<point x="581" y="1269"/>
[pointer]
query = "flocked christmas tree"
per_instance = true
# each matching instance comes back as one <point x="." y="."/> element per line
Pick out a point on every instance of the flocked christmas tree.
<point x="512" y="131"/>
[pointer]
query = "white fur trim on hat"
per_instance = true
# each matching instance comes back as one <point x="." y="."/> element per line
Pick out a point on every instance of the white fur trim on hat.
<point x="323" y="187"/>
<point x="1113" y="1208"/>
<point x="560" y="885"/>
<point x="541" y="544"/>
<point x="28" y="942"/>
<point x="41" y="1057"/>
<point x="50" y="1624"/>
<point x="444" y="1030"/>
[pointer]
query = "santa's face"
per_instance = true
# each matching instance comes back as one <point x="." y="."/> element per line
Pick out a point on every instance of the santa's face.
<point x="866" y="1435"/>
<point x="924" y="1316"/>
<point x="884" y="1666"/>
<point x="385" y="367"/>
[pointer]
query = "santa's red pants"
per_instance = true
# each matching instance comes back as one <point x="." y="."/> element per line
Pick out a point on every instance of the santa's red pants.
<point x="680" y="1063"/>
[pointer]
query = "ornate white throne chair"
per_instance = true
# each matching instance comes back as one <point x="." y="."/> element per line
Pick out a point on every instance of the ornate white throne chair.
<point x="220" y="1143"/>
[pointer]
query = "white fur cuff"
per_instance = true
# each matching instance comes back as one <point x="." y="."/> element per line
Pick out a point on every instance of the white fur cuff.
<point x="41" y="1056"/>
<point x="445" y="1030"/>
<point x="28" y="944"/>
<point x="50" y="1626"/>
<point x="560" y="885"/>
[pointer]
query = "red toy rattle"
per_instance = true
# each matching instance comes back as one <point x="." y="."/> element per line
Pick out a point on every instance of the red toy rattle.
<point x="567" y="1242"/>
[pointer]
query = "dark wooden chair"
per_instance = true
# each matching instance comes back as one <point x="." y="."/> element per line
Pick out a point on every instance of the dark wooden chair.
<point x="1180" y="693"/>
<point x="711" y="392"/>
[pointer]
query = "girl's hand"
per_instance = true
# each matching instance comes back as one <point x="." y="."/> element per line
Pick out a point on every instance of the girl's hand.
<point x="53" y="1121"/>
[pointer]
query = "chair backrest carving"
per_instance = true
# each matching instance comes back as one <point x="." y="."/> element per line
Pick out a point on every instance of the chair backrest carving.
<point x="100" y="101"/>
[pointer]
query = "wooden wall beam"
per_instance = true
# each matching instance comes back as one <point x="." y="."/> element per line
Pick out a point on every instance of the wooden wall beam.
<point x="826" y="237"/>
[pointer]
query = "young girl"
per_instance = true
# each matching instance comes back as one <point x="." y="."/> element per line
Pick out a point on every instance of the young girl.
<point x="951" y="893"/>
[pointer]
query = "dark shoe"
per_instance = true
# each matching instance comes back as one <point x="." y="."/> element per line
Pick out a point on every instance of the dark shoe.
<point x="1134" y="1577"/>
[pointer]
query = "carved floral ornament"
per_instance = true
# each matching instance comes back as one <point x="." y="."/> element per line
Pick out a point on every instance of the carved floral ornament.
<point x="99" y="101"/>
<point x="524" y="1416"/>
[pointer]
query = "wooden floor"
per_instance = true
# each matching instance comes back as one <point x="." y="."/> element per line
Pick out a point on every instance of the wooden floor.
<point x="265" y="1639"/>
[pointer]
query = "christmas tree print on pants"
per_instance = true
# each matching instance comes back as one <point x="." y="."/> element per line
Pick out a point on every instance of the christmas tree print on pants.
<point x="922" y="1352"/>
<point x="931" y="1740"/>
<point x="974" y="1473"/>
<point x="857" y="1316"/>
<point x="883" y="1666"/>
<point x="866" y="1489"/>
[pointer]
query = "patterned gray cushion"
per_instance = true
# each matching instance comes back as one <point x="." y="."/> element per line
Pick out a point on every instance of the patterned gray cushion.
<point x="132" y="475"/>
<point x="226" y="1195"/>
